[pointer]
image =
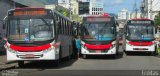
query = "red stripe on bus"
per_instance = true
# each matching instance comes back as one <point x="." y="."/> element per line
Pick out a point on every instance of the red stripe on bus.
<point x="30" y="48"/>
<point x="141" y="43"/>
<point x="98" y="47"/>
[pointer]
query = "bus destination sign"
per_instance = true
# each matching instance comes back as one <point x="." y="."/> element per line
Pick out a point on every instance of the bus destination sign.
<point x="98" y="19"/>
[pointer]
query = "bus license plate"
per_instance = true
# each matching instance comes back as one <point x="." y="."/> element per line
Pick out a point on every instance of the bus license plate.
<point x="140" y="49"/>
<point x="98" y="51"/>
<point x="29" y="55"/>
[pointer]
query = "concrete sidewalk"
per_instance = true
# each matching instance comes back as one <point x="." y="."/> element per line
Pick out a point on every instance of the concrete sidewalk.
<point x="4" y="64"/>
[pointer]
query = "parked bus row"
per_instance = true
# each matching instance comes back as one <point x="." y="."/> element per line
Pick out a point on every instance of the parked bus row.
<point x="38" y="34"/>
<point x="44" y="34"/>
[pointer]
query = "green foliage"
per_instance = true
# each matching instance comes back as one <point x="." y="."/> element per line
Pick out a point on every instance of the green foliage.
<point x="158" y="50"/>
<point x="76" y="18"/>
<point x="63" y="11"/>
<point x="157" y="20"/>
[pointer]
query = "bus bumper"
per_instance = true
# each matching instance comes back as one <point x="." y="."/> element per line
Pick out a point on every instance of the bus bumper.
<point x="111" y="51"/>
<point x="140" y="48"/>
<point x="52" y="54"/>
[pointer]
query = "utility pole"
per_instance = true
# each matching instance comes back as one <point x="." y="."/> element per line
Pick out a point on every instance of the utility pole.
<point x="151" y="2"/>
<point x="135" y="9"/>
<point x="142" y="8"/>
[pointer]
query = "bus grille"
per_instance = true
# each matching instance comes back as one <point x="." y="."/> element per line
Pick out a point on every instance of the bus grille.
<point x="29" y="56"/>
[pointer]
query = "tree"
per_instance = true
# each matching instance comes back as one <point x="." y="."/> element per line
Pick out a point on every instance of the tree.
<point x="63" y="11"/>
<point x="157" y="20"/>
<point x="76" y="18"/>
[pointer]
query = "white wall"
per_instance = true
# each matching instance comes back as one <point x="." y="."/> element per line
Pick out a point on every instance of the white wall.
<point x="155" y="7"/>
<point x="123" y="14"/>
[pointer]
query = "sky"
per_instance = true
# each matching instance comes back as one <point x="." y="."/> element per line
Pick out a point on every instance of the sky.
<point x="114" y="6"/>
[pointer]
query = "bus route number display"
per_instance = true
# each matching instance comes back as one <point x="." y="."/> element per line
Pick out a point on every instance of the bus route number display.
<point x="20" y="13"/>
<point x="141" y="22"/>
<point x="98" y="19"/>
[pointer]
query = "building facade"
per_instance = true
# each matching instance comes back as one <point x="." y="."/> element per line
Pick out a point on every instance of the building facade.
<point x="64" y="3"/>
<point x="96" y="7"/>
<point x="134" y="15"/>
<point x="150" y="8"/>
<point x="83" y="7"/>
<point x="74" y="6"/>
<point x="71" y="5"/>
<point x="123" y="14"/>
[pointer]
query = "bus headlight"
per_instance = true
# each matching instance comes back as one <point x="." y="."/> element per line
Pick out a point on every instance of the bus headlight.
<point x="10" y="50"/>
<point x="47" y="50"/>
<point x="113" y="44"/>
<point x="84" y="46"/>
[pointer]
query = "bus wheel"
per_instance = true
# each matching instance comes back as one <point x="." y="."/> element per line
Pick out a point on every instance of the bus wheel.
<point x="115" y="56"/>
<point x="84" y="56"/>
<point x="57" y="62"/>
<point x="154" y="53"/>
<point x="127" y="53"/>
<point x="21" y="63"/>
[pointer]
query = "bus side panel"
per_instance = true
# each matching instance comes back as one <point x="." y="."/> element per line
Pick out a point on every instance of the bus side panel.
<point x="66" y="42"/>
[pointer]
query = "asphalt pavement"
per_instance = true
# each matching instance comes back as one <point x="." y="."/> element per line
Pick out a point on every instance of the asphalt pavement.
<point x="123" y="65"/>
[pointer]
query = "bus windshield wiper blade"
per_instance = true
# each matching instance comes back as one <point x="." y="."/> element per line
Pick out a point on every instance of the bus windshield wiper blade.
<point x="45" y="22"/>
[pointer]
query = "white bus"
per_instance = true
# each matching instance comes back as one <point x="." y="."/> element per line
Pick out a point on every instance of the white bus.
<point x="139" y="36"/>
<point x="99" y="36"/>
<point x="37" y="34"/>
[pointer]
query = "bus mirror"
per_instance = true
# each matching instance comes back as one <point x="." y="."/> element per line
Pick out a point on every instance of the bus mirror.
<point x="4" y="22"/>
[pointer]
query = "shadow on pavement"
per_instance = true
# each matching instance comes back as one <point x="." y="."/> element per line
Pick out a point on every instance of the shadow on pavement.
<point x="138" y="54"/>
<point x="106" y="57"/>
<point x="42" y="65"/>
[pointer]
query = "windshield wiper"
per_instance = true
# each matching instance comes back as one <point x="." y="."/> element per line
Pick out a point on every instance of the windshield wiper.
<point x="45" y="22"/>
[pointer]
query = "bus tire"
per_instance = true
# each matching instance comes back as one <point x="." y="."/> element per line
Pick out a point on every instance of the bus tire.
<point x="84" y="56"/>
<point x="154" y="53"/>
<point x="57" y="62"/>
<point x="127" y="53"/>
<point x="21" y="63"/>
<point x="115" y="55"/>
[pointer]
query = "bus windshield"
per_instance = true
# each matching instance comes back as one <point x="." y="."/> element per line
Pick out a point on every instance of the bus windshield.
<point x="98" y="31"/>
<point x="30" y="29"/>
<point x="140" y="32"/>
